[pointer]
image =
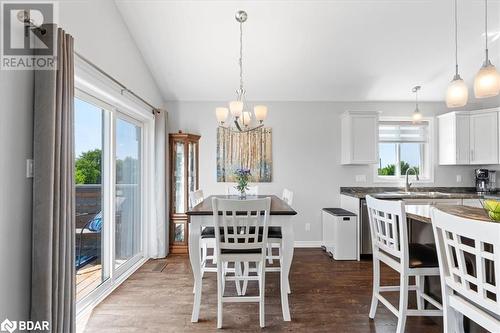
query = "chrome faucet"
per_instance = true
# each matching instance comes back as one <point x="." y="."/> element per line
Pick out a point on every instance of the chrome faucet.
<point x="408" y="184"/>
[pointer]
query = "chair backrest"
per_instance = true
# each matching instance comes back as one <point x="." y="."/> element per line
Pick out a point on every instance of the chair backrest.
<point x="469" y="263"/>
<point x="388" y="228"/>
<point x="231" y="190"/>
<point x="195" y="197"/>
<point x="241" y="224"/>
<point x="287" y="196"/>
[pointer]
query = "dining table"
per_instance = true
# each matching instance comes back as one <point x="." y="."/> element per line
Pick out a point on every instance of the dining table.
<point x="201" y="216"/>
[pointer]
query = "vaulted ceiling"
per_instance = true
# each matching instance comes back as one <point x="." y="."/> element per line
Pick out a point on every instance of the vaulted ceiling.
<point x="366" y="50"/>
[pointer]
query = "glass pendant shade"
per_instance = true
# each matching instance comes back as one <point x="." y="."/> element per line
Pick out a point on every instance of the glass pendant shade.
<point x="236" y="108"/>
<point x="457" y="93"/>
<point x="417" y="116"/>
<point x="221" y="114"/>
<point x="487" y="82"/>
<point x="260" y="112"/>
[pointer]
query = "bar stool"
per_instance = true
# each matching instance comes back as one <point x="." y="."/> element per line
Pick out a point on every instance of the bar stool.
<point x="389" y="231"/>
<point x="241" y="236"/>
<point x="470" y="290"/>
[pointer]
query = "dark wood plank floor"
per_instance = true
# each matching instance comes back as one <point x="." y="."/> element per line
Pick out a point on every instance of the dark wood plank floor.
<point x="327" y="296"/>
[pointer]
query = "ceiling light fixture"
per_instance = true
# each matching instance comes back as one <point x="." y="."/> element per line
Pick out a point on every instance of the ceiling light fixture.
<point x="417" y="115"/>
<point x="457" y="92"/>
<point x="243" y="120"/>
<point x="487" y="82"/>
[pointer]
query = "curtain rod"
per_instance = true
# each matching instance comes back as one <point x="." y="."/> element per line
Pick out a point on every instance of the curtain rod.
<point x="29" y="23"/>
<point x="123" y="87"/>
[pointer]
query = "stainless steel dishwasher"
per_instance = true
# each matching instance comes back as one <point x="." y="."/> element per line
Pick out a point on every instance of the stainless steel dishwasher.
<point x="366" y="239"/>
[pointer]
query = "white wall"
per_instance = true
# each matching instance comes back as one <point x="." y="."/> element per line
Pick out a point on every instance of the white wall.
<point x="101" y="36"/>
<point x="306" y="152"/>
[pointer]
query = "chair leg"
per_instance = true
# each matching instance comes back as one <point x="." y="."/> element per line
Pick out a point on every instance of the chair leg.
<point x="420" y="283"/>
<point x="270" y="253"/>
<point x="403" y="304"/>
<point x="376" y="287"/>
<point x="237" y="273"/>
<point x="246" y="272"/>
<point x="262" y="288"/>
<point x="220" y="292"/>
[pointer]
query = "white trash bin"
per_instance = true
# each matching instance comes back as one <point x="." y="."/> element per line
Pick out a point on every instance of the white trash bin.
<point x="339" y="233"/>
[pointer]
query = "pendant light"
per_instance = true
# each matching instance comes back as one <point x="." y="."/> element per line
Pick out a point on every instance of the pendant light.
<point x="457" y="92"/>
<point x="487" y="82"/>
<point x="417" y="115"/>
<point x="242" y="119"/>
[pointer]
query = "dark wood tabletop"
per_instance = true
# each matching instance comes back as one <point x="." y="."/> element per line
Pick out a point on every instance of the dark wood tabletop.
<point x="278" y="206"/>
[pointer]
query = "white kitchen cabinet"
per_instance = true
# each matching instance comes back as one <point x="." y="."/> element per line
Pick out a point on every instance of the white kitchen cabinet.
<point x="469" y="137"/>
<point x="359" y="136"/>
<point x="484" y="137"/>
<point x="454" y="137"/>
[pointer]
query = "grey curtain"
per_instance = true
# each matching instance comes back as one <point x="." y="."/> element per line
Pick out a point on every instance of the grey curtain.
<point x="53" y="261"/>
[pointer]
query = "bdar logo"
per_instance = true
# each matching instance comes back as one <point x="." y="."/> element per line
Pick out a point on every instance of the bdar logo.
<point x="8" y="326"/>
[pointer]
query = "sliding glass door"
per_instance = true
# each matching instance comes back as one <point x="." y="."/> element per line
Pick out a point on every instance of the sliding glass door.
<point x="109" y="183"/>
<point x="127" y="190"/>
<point x="89" y="150"/>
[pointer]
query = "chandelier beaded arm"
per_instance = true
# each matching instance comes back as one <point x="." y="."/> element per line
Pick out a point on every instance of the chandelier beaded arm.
<point x="243" y="120"/>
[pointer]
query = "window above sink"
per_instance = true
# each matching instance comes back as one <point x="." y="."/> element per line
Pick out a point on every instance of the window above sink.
<point x="402" y="145"/>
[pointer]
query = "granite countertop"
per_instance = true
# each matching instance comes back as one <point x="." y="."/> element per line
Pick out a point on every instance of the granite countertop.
<point x="415" y="193"/>
<point x="422" y="213"/>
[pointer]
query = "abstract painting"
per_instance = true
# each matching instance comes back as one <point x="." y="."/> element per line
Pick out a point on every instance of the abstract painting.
<point x="252" y="150"/>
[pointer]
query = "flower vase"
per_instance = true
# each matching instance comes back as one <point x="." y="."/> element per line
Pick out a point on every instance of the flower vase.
<point x="243" y="195"/>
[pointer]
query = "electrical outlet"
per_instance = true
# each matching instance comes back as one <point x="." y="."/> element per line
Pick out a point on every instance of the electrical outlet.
<point x="459" y="178"/>
<point x="29" y="168"/>
<point x="308" y="226"/>
<point x="361" y="178"/>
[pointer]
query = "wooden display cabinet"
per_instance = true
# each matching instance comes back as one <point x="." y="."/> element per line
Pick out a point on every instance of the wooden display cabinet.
<point x="183" y="159"/>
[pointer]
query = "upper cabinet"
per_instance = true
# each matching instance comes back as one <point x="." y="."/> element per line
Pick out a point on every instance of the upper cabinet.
<point x="469" y="137"/>
<point x="484" y="138"/>
<point x="359" y="137"/>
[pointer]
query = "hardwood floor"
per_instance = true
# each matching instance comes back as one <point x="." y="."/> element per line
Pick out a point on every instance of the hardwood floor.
<point x="327" y="296"/>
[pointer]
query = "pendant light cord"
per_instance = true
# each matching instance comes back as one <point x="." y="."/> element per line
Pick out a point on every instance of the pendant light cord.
<point x="456" y="39"/>
<point x="241" y="58"/>
<point x="486" y="29"/>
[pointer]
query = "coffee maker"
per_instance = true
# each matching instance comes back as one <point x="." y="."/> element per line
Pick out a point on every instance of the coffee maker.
<point x="485" y="180"/>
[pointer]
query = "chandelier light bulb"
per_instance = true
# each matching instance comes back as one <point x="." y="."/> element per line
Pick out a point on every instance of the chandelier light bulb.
<point x="487" y="82"/>
<point x="221" y="114"/>
<point x="247" y="118"/>
<point x="260" y="112"/>
<point x="457" y="93"/>
<point x="236" y="108"/>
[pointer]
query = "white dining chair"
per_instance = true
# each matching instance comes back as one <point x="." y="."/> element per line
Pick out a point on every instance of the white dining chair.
<point x="389" y="231"/>
<point x="252" y="190"/>
<point x="470" y="290"/>
<point x="274" y="241"/>
<point x="241" y="228"/>
<point x="195" y="197"/>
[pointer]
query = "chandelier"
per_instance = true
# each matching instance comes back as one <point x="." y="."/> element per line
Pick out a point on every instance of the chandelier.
<point x="241" y="119"/>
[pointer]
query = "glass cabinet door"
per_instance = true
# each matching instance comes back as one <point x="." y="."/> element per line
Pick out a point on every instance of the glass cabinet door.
<point x="192" y="169"/>
<point x="179" y="178"/>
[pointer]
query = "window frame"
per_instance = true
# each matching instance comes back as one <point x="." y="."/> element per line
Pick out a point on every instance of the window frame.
<point x="428" y="155"/>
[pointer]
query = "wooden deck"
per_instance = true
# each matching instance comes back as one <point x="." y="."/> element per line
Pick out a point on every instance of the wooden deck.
<point x="327" y="296"/>
<point x="87" y="279"/>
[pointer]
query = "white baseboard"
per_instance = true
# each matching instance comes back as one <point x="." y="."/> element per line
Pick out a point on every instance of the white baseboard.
<point x="308" y="243"/>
